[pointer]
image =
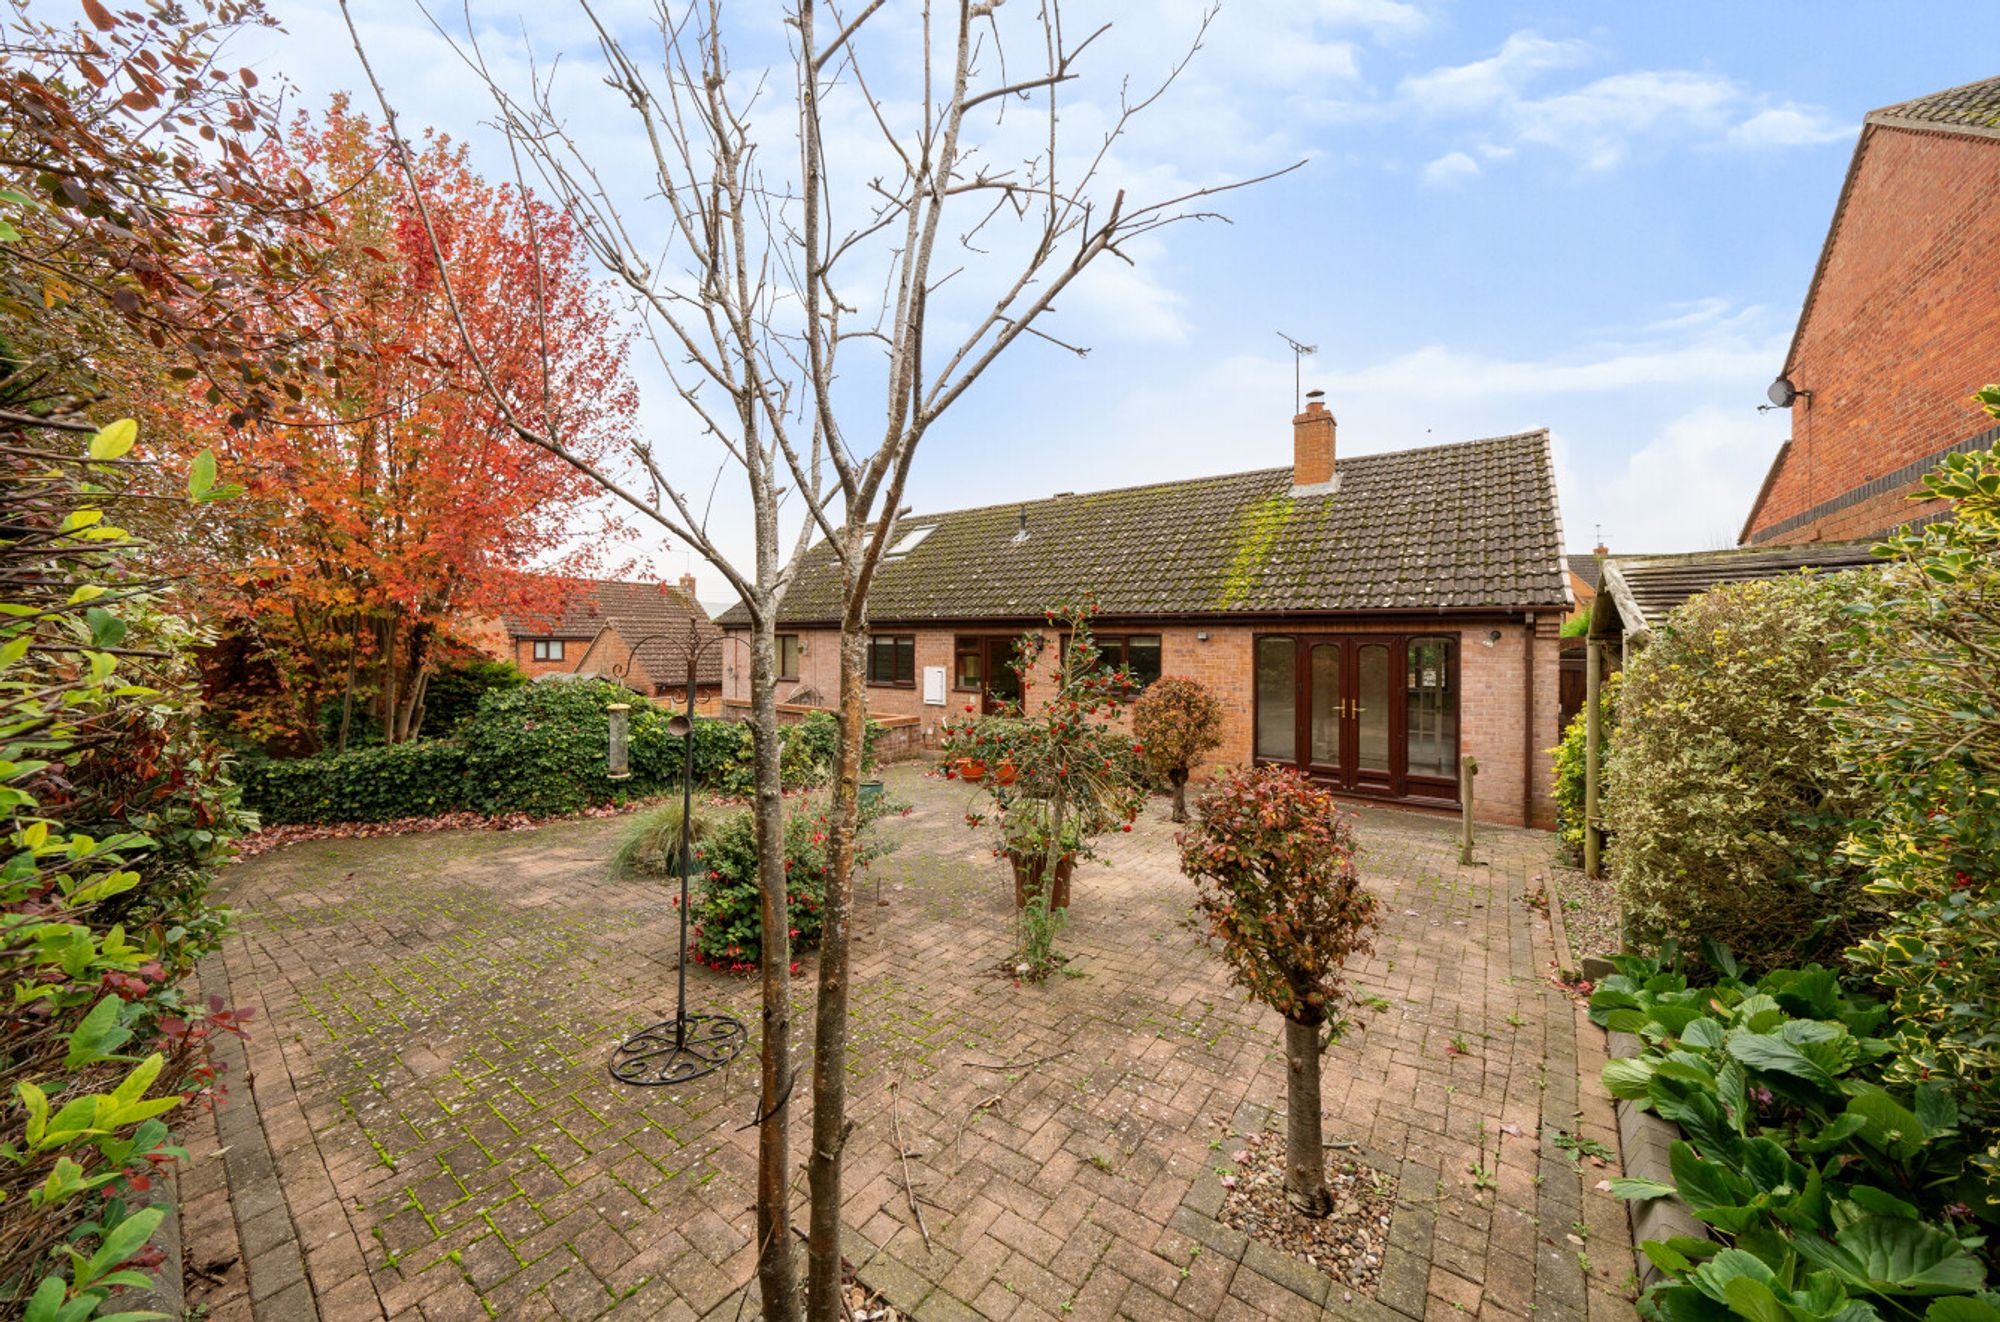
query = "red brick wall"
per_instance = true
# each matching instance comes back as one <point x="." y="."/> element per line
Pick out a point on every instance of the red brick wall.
<point x="1491" y="708"/>
<point x="601" y="656"/>
<point x="1904" y="326"/>
<point x="524" y="657"/>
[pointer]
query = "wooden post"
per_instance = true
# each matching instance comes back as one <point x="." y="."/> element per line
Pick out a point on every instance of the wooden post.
<point x="1468" y="767"/>
<point x="1593" y="727"/>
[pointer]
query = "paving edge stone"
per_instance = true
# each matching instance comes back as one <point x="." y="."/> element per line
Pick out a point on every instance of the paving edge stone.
<point x="169" y="1291"/>
<point x="1645" y="1140"/>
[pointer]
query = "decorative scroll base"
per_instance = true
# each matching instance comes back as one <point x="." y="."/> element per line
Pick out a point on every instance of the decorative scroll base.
<point x="678" y="1050"/>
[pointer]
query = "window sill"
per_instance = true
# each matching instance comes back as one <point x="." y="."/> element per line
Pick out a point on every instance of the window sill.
<point x="891" y="684"/>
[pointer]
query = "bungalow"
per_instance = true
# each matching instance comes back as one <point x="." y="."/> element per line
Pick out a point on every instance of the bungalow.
<point x="633" y="633"/>
<point x="1370" y="622"/>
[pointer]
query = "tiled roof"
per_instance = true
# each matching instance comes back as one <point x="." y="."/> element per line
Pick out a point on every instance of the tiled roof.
<point x="1586" y="567"/>
<point x="1468" y="525"/>
<point x="1973" y="106"/>
<point x="1643" y="589"/>
<point x="652" y="615"/>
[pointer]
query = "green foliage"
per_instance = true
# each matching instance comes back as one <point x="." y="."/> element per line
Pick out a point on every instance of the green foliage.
<point x="117" y="812"/>
<point x="1836" y="1193"/>
<point x="651" y="846"/>
<point x="1575" y="626"/>
<point x="538" y="749"/>
<point x="378" y="784"/>
<point x="1924" y="727"/>
<point x="454" y="693"/>
<point x="1726" y="801"/>
<point x="1569" y="765"/>
<point x="1276" y="892"/>
<point x="727" y="920"/>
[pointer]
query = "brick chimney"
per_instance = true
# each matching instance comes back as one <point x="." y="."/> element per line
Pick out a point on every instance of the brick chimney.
<point x="687" y="586"/>
<point x="1312" y="444"/>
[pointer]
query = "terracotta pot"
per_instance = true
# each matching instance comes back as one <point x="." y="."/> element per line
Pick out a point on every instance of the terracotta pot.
<point x="971" y="770"/>
<point x="1028" y="879"/>
<point x="1004" y="773"/>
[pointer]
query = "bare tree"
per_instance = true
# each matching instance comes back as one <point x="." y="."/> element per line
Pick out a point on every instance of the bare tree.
<point x="748" y="309"/>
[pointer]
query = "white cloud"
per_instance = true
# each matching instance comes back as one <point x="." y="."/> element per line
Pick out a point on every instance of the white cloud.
<point x="1451" y="168"/>
<point x="1790" y="125"/>
<point x="1496" y="80"/>
<point x="1600" y="122"/>
<point x="1687" y="488"/>
<point x="1383" y="18"/>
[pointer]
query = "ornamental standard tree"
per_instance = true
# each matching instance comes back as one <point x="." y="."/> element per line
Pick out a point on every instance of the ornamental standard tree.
<point x="1277" y="896"/>
<point x="1177" y="722"/>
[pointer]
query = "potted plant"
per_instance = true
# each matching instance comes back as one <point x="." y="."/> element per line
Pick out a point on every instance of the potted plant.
<point x="1057" y="782"/>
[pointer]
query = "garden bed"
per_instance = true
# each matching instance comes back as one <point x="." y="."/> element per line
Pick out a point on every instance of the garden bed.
<point x="1590" y="914"/>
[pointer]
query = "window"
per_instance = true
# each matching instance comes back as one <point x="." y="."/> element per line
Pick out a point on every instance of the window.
<point x="909" y="541"/>
<point x="1432" y="708"/>
<point x="968" y="669"/>
<point x="1277" y="699"/>
<point x="788" y="655"/>
<point x="892" y="659"/>
<point x="548" y="649"/>
<point x="1139" y="653"/>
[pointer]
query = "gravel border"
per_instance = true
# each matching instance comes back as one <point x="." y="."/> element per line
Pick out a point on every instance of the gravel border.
<point x="1591" y="917"/>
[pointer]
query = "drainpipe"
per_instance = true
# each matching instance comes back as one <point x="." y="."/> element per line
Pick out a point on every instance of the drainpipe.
<point x="1528" y="719"/>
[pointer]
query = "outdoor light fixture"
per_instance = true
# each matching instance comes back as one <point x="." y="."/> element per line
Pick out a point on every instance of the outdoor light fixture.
<point x="1201" y="637"/>
<point x="686" y="1046"/>
<point x="1492" y="637"/>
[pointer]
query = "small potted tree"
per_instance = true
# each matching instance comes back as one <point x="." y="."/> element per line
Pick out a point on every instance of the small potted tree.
<point x="1065" y="786"/>
<point x="1176" y="723"/>
<point x="1277" y="897"/>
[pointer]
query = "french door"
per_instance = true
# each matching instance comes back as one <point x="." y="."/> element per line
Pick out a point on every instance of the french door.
<point x="1369" y="714"/>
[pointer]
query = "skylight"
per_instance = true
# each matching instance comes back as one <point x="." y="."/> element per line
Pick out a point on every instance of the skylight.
<point x="910" y="540"/>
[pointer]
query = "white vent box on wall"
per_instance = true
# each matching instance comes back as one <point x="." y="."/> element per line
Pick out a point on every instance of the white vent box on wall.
<point x="934" y="686"/>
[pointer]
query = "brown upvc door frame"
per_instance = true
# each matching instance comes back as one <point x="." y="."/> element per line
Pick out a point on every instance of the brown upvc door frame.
<point x="1392" y="780"/>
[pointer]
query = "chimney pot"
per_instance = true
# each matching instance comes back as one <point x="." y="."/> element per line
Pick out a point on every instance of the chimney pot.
<point x="1312" y="443"/>
<point x="1600" y="550"/>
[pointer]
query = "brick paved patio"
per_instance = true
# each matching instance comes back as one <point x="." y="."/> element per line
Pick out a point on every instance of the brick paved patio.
<point x="426" y="1129"/>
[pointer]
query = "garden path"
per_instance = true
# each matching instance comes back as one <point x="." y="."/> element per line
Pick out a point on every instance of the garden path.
<point x="422" y="1125"/>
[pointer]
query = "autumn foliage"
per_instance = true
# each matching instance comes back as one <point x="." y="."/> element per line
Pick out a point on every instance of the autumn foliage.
<point x="1277" y="896"/>
<point x="395" y="507"/>
<point x="1177" y="722"/>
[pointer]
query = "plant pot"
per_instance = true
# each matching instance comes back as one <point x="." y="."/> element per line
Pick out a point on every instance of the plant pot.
<point x="1004" y="773"/>
<point x="1028" y="870"/>
<point x="871" y="790"/>
<point x="971" y="770"/>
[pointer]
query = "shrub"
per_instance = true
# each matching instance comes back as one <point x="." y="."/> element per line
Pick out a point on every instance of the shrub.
<point x="454" y="693"/>
<point x="1277" y="896"/>
<point x="652" y="843"/>
<point x="727" y="918"/>
<point x="378" y="784"/>
<point x="1727" y="802"/>
<point x="1175" y="724"/>
<point x="1924" y="726"/>
<point x="1569" y="765"/>
<point x="1836" y="1192"/>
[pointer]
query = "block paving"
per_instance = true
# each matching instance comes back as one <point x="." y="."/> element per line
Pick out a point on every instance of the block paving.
<point x="422" y="1126"/>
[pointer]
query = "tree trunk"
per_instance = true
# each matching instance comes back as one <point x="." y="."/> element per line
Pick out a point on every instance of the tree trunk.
<point x="1305" y="1153"/>
<point x="830" y="1127"/>
<point x="1179" y="778"/>
<point x="347" y="691"/>
<point x="777" y="1280"/>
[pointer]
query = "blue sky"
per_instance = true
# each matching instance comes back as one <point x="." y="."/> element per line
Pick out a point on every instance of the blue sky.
<point x="1599" y="219"/>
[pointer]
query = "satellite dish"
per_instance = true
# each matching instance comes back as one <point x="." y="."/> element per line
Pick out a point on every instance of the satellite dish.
<point x="1782" y="392"/>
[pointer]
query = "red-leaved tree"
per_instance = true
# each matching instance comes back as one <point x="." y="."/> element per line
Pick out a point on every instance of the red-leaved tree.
<point x="1277" y="896"/>
<point x="1176" y="723"/>
<point x="395" y="511"/>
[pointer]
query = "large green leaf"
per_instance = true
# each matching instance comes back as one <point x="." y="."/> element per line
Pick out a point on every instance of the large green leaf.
<point x="1889" y="1255"/>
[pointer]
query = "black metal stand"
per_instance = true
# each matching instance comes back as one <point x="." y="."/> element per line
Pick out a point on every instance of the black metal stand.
<point x="686" y="1046"/>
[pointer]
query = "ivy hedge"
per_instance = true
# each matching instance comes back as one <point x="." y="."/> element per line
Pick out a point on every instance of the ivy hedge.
<point x="538" y="749"/>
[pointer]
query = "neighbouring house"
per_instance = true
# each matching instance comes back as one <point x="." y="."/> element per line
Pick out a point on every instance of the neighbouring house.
<point x="1898" y="327"/>
<point x="1583" y="572"/>
<point x="1371" y="621"/>
<point x="636" y="634"/>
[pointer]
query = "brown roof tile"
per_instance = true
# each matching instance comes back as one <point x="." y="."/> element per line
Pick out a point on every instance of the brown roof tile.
<point x="1468" y="525"/>
<point x="653" y="616"/>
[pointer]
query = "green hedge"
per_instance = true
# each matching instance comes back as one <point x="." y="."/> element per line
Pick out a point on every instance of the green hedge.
<point x="538" y="749"/>
<point x="363" y="785"/>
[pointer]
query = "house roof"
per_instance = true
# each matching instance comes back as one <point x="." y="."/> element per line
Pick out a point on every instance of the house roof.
<point x="1469" y="525"/>
<point x="1973" y="108"/>
<point x="1585" y="567"/>
<point x="1642" y="590"/>
<point x="652" y="617"/>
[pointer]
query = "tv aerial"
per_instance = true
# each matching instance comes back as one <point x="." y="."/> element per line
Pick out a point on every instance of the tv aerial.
<point x="1299" y="352"/>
